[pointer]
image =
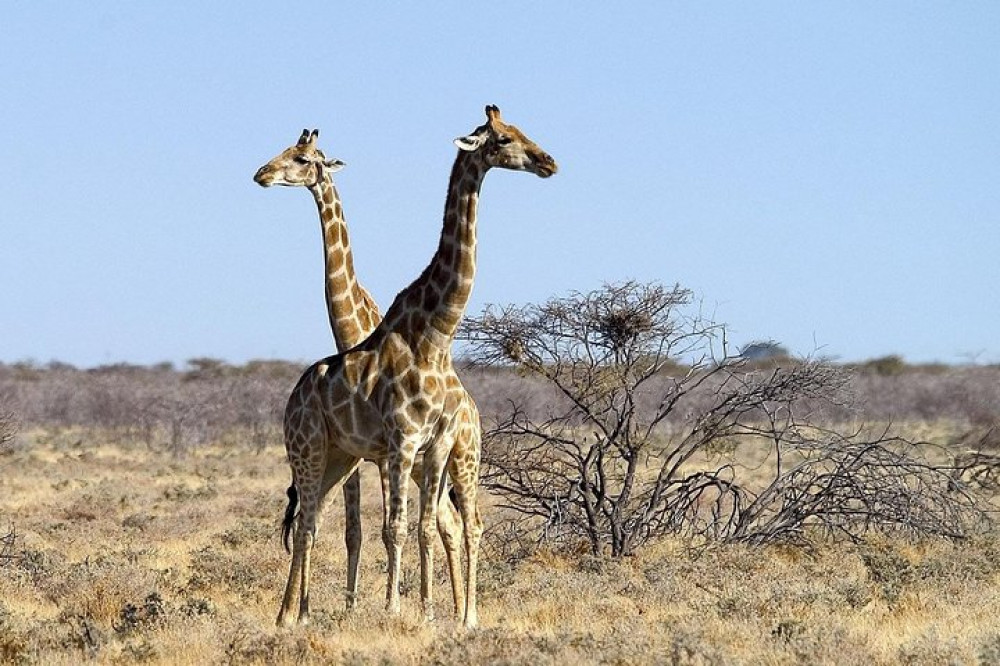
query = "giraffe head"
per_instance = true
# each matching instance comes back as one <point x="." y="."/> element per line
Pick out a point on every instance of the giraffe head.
<point x="501" y="145"/>
<point x="301" y="165"/>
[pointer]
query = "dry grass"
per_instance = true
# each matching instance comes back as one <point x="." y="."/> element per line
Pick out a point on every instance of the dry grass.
<point x="126" y="556"/>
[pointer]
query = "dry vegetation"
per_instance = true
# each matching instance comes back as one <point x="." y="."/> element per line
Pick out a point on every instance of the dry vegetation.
<point x="656" y="423"/>
<point x="139" y="514"/>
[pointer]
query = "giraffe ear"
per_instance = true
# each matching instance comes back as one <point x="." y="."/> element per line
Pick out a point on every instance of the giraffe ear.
<point x="333" y="164"/>
<point x="471" y="142"/>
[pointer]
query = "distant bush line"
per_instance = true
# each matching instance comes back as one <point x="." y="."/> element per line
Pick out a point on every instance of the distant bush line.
<point x="210" y="400"/>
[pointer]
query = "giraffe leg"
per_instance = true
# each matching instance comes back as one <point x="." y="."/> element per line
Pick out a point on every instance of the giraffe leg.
<point x="307" y="472"/>
<point x="383" y="473"/>
<point x="339" y="466"/>
<point x="297" y="587"/>
<point x="400" y="462"/>
<point x="306" y="534"/>
<point x="352" y="535"/>
<point x="450" y="529"/>
<point x="464" y="471"/>
<point x="312" y="488"/>
<point x="430" y="495"/>
<point x="286" y="616"/>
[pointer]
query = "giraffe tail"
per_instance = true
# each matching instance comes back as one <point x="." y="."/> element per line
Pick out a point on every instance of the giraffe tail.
<point x="290" y="512"/>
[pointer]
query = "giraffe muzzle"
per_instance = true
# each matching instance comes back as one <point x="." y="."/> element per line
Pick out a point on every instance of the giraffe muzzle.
<point x="262" y="176"/>
<point x="546" y="166"/>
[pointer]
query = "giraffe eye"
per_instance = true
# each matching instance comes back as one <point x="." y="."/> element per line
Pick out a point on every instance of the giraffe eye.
<point x="503" y="140"/>
<point x="301" y="159"/>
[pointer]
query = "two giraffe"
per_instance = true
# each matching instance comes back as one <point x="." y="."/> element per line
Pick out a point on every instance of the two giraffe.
<point x="353" y="315"/>
<point x="395" y="395"/>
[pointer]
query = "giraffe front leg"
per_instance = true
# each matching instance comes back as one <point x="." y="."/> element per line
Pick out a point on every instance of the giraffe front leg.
<point x="399" y="465"/>
<point x="464" y="471"/>
<point x="383" y="473"/>
<point x="474" y="535"/>
<point x="430" y="495"/>
<point x="352" y="535"/>
<point x="449" y="527"/>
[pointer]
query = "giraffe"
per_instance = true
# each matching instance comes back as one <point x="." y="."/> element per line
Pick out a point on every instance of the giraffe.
<point x="393" y="396"/>
<point x="353" y="315"/>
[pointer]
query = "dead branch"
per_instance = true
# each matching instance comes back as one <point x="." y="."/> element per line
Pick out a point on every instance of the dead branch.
<point x="979" y="468"/>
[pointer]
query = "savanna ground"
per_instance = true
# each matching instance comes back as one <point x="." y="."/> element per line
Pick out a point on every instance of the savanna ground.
<point x="145" y="529"/>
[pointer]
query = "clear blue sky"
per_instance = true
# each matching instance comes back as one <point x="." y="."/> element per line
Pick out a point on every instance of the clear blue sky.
<point x="822" y="174"/>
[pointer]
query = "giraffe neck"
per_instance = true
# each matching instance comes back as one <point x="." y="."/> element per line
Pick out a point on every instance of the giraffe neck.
<point x="432" y="307"/>
<point x="352" y="312"/>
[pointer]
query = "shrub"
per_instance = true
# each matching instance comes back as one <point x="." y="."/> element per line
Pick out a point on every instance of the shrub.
<point x="616" y="461"/>
<point x="8" y="429"/>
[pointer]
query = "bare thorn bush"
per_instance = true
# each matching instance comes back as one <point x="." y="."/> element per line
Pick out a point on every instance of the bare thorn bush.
<point x="8" y="429"/>
<point x="650" y="395"/>
<point x="976" y="461"/>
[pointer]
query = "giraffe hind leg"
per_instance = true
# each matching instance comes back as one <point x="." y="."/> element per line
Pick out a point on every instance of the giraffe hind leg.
<point x="291" y="511"/>
<point x="339" y="466"/>
<point x="313" y="478"/>
<point x="291" y="604"/>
